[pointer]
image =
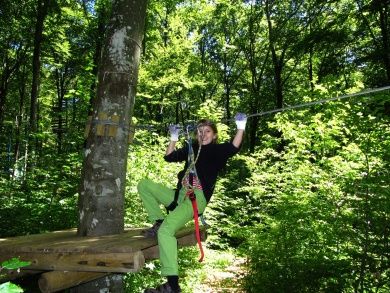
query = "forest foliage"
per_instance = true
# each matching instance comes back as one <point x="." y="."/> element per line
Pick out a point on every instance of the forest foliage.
<point x="307" y="199"/>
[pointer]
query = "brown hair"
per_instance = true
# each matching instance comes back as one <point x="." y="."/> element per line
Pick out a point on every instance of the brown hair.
<point x="209" y="123"/>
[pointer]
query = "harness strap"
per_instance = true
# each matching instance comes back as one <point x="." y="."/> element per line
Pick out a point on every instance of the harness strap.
<point x="173" y="204"/>
<point x="190" y="193"/>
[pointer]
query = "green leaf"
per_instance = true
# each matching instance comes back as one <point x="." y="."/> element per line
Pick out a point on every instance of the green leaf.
<point x="14" y="263"/>
<point x="10" y="288"/>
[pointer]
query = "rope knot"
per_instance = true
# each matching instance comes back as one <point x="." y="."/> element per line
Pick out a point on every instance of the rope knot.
<point x="191" y="194"/>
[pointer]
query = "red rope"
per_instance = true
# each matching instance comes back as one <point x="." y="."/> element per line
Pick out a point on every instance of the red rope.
<point x="191" y="195"/>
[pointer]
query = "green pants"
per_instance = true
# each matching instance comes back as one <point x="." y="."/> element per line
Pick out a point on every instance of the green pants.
<point x="153" y="195"/>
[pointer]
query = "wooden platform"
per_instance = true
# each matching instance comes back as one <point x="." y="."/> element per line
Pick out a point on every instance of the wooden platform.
<point x="62" y="255"/>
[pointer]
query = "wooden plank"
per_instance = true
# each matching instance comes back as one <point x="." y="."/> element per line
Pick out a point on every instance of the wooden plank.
<point x="36" y="238"/>
<point x="59" y="250"/>
<point x="98" y="262"/>
<point x="63" y="241"/>
<point x="68" y="241"/>
<point x="73" y="260"/>
<point x="68" y="238"/>
<point x="125" y="242"/>
<point x="60" y="280"/>
<point x="80" y="244"/>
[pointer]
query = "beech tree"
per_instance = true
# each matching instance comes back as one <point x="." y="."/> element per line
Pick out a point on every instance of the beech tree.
<point x="102" y="189"/>
<point x="101" y="201"/>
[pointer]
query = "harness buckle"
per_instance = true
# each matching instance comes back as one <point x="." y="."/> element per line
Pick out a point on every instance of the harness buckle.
<point x="191" y="194"/>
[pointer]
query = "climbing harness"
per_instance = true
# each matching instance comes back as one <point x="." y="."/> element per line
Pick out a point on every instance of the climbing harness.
<point x="190" y="174"/>
<point x="191" y="166"/>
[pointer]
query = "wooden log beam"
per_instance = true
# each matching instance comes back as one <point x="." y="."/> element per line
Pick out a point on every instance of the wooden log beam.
<point x="86" y="262"/>
<point x="59" y="280"/>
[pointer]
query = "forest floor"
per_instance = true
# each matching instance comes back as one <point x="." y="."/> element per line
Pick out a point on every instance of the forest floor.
<point x="223" y="274"/>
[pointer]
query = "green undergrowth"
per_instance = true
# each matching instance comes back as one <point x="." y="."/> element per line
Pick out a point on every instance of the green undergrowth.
<point x="195" y="277"/>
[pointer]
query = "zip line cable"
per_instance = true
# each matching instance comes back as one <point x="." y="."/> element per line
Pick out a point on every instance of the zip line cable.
<point x="303" y="105"/>
<point x="308" y="104"/>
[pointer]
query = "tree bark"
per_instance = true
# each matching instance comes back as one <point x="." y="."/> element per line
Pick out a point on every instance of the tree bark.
<point x="102" y="15"/>
<point x="3" y="95"/>
<point x="42" y="8"/>
<point x="19" y="120"/>
<point x="384" y="26"/>
<point x="277" y="62"/>
<point x="5" y="77"/>
<point x="102" y="188"/>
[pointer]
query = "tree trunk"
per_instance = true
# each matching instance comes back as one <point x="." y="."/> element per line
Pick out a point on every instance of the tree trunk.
<point x="254" y="123"/>
<point x="102" y="23"/>
<point x="42" y="8"/>
<point x="19" y="121"/>
<point x="3" y="95"/>
<point x="383" y="13"/>
<point x="102" y="190"/>
<point x="310" y="68"/>
<point x="278" y="83"/>
<point x="110" y="283"/>
<point x="6" y="74"/>
<point x="101" y="199"/>
<point x="277" y="61"/>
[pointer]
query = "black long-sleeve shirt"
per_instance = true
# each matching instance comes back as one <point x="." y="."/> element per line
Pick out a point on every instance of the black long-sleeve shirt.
<point x="212" y="159"/>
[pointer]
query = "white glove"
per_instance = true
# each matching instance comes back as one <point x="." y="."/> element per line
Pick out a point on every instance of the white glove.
<point x="240" y="120"/>
<point x="174" y="132"/>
